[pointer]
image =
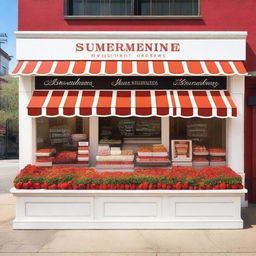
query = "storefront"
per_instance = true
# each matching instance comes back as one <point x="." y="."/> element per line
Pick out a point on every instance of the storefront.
<point x="140" y="99"/>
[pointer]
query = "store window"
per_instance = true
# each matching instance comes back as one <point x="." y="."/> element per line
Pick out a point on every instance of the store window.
<point x="134" y="8"/>
<point x="205" y="138"/>
<point x="129" y="133"/>
<point x="58" y="141"/>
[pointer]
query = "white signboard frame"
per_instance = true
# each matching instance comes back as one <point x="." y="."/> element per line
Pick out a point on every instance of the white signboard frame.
<point x="51" y="47"/>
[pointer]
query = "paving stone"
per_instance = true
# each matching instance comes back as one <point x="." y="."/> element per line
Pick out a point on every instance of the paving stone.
<point x="81" y="254"/>
<point x="116" y="241"/>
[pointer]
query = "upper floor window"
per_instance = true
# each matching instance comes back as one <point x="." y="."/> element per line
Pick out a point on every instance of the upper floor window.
<point x="134" y="8"/>
<point x="3" y="71"/>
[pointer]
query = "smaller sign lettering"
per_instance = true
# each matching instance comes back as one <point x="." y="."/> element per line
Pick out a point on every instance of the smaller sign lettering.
<point x="131" y="83"/>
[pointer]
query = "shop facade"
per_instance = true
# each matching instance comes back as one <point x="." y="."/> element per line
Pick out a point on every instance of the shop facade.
<point x="132" y="90"/>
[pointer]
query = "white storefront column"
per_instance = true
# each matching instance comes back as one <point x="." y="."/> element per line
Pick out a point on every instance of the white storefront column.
<point x="27" y="125"/>
<point x="165" y="132"/>
<point x="93" y="138"/>
<point x="235" y="128"/>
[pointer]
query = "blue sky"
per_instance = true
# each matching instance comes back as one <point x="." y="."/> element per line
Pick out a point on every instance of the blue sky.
<point x="8" y="25"/>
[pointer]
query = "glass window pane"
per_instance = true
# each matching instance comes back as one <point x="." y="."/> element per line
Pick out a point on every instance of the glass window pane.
<point x="185" y="7"/>
<point x="120" y="7"/>
<point x="78" y="7"/>
<point x="133" y="7"/>
<point x="206" y="135"/>
<point x="142" y="7"/>
<point x="129" y="132"/>
<point x="94" y="7"/>
<point x="61" y="134"/>
<point x="161" y="7"/>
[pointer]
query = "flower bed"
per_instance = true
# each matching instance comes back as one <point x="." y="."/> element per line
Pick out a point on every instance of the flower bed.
<point x="175" y="178"/>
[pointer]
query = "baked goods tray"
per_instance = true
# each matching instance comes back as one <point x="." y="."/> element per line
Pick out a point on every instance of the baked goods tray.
<point x="83" y="152"/>
<point x="201" y="153"/>
<point x="43" y="164"/>
<point x="152" y="154"/>
<point x="200" y="164"/>
<point x="182" y="164"/>
<point x="217" y="154"/>
<point x="46" y="154"/>
<point x="83" y="143"/>
<point x="216" y="164"/>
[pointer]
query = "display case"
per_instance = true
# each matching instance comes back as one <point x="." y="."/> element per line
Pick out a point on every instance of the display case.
<point x="181" y="150"/>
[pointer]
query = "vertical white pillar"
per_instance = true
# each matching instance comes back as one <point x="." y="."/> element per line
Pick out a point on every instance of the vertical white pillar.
<point x="27" y="125"/>
<point x="93" y="138"/>
<point x="235" y="128"/>
<point x="165" y="132"/>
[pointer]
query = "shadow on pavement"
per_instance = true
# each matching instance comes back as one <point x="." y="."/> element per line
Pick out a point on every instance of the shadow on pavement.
<point x="249" y="216"/>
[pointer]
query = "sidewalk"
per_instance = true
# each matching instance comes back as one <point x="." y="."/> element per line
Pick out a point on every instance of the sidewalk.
<point x="119" y="242"/>
<point x="8" y="170"/>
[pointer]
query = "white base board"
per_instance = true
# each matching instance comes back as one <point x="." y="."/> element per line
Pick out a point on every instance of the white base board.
<point x="134" y="209"/>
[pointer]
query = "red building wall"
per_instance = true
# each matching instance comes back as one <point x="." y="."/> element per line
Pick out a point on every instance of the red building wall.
<point x="217" y="15"/>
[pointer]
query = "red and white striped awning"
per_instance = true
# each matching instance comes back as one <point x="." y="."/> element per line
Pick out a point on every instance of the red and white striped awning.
<point x="173" y="68"/>
<point x="187" y="104"/>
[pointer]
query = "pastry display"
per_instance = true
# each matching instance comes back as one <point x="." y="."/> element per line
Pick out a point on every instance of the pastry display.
<point x="217" y="160"/>
<point x="182" y="163"/>
<point x="44" y="161"/>
<point x="142" y="149"/>
<point x="83" y="162"/>
<point x="200" y="159"/>
<point x="152" y="159"/>
<point x="115" y="151"/>
<point x="200" y="162"/>
<point x="83" y="150"/>
<point x="81" y="158"/>
<point x="120" y="158"/>
<point x="155" y="155"/>
<point x="158" y="148"/>
<point x="200" y="151"/>
<point x="114" y="158"/>
<point x="83" y="143"/>
<point x="83" y="153"/>
<point x="65" y="157"/>
<point x="181" y="150"/>
<point x="103" y="150"/>
<point x="45" y="152"/>
<point x="127" y="152"/>
<point x="217" y="152"/>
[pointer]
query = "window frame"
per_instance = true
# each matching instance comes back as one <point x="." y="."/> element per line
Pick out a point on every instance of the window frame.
<point x="124" y="17"/>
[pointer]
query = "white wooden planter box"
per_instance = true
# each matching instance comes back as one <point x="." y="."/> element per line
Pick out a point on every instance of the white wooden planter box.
<point x="138" y="209"/>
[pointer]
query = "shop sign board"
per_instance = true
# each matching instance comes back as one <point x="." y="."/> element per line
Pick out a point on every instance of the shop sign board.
<point x="207" y="48"/>
<point x="130" y="83"/>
